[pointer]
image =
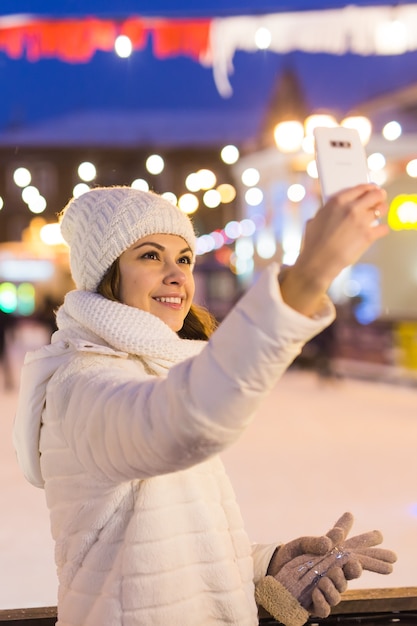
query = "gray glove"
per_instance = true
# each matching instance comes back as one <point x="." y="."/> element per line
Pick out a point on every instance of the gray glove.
<point x="315" y="570"/>
<point x="362" y="553"/>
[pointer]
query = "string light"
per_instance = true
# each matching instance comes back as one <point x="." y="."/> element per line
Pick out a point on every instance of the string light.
<point x="87" y="171"/>
<point x="123" y="46"/>
<point x="22" y="177"/>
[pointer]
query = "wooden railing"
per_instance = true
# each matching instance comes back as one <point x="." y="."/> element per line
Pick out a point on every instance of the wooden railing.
<point x="369" y="607"/>
<point x="45" y="616"/>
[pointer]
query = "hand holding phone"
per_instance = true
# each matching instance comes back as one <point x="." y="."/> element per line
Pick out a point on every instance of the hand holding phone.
<point x="340" y="158"/>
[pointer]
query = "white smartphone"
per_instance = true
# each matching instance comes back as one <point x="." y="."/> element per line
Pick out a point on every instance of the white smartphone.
<point x="340" y="158"/>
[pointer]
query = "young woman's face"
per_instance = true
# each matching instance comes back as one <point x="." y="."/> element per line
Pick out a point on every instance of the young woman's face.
<point x="156" y="276"/>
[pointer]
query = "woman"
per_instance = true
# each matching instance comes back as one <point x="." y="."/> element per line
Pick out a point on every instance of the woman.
<point x="122" y="417"/>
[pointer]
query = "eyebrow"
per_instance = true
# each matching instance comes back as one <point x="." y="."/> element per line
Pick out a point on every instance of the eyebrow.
<point x="159" y="247"/>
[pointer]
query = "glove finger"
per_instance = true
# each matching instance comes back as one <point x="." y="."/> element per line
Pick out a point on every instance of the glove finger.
<point x="329" y="591"/>
<point x="337" y="577"/>
<point x="320" y="607"/>
<point x="301" y="546"/>
<point x="315" y="545"/>
<point x="382" y="554"/>
<point x="374" y="565"/>
<point x="341" y="529"/>
<point x="352" y="569"/>
<point x="365" y="540"/>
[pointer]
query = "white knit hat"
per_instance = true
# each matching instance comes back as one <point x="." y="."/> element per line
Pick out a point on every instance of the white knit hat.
<point x="102" y="223"/>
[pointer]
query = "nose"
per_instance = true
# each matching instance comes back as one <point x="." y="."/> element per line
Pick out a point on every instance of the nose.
<point x="174" y="275"/>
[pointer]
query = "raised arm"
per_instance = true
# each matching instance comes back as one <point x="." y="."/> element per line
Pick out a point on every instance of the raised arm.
<point x="340" y="232"/>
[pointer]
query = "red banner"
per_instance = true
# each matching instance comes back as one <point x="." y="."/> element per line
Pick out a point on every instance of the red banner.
<point x="76" y="41"/>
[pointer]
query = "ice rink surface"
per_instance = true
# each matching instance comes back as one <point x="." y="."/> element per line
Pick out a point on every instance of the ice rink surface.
<point x="317" y="448"/>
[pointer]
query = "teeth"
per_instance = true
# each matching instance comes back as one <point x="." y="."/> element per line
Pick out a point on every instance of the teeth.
<point x="171" y="300"/>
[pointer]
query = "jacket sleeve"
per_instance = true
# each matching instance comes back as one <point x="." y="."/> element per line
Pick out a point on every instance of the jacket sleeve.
<point x="261" y="555"/>
<point x="122" y="426"/>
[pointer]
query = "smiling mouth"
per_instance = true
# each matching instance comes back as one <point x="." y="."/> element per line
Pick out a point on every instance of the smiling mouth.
<point x="169" y="300"/>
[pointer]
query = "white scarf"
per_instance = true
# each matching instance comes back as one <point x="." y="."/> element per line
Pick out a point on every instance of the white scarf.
<point x="90" y="316"/>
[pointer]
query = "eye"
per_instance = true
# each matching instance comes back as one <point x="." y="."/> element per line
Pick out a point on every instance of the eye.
<point x="150" y="255"/>
<point x="186" y="260"/>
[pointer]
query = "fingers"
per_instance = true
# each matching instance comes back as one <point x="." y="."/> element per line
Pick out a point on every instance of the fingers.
<point x="367" y="202"/>
<point x="302" y="546"/>
<point x="382" y="554"/>
<point x="315" y="545"/>
<point x="329" y="591"/>
<point x="341" y="529"/>
<point x="365" y="540"/>
<point x="352" y="569"/>
<point x="375" y="565"/>
<point x="337" y="577"/>
<point x="319" y="606"/>
<point x="366" y="196"/>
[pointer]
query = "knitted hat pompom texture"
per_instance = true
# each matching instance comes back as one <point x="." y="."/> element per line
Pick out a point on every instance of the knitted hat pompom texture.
<point x="102" y="223"/>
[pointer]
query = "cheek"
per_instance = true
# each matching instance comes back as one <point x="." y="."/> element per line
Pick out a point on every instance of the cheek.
<point x="191" y="287"/>
<point x="128" y="285"/>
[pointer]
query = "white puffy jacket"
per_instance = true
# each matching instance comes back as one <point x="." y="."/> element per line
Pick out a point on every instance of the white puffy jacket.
<point x="121" y="422"/>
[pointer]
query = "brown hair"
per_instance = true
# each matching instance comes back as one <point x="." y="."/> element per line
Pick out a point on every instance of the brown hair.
<point x="198" y="324"/>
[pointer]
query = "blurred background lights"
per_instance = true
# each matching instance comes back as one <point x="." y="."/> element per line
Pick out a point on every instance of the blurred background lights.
<point x="351" y="288"/>
<point x="291" y="244"/>
<point x="29" y="194"/>
<point x="296" y="192"/>
<point x="233" y="229"/>
<point x="212" y="198"/>
<point x="318" y="119"/>
<point x="312" y="169"/>
<point x="402" y="214"/>
<point x="123" y="46"/>
<point x="207" y="178"/>
<point x="22" y="177"/>
<point x="79" y="189"/>
<point x="244" y="248"/>
<point x="266" y="246"/>
<point x="192" y="182"/>
<point x="407" y="212"/>
<point x="376" y="161"/>
<point x="250" y="177"/>
<point x="379" y="177"/>
<point x="8" y="297"/>
<point x="37" y="204"/>
<point x="254" y="196"/>
<point x="87" y="171"/>
<point x="218" y="239"/>
<point x="360" y="123"/>
<point x="241" y="266"/>
<point x="229" y="154"/>
<point x="411" y="168"/>
<point x="17" y="299"/>
<point x="227" y="192"/>
<point x="247" y="227"/>
<point x="141" y="184"/>
<point x="25" y="304"/>
<point x="50" y="234"/>
<point x="205" y="243"/>
<point x="171" y="197"/>
<point x="1" y="203"/>
<point x="391" y="37"/>
<point x="263" y="38"/>
<point x="392" y="131"/>
<point x="188" y="203"/>
<point x="289" y="136"/>
<point x="307" y="144"/>
<point x="155" y="164"/>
